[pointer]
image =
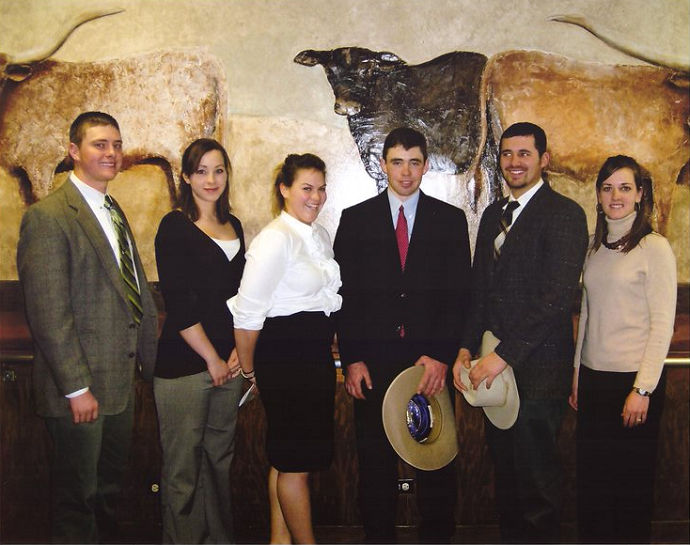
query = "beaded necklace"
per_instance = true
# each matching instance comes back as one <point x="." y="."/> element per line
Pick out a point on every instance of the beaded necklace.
<point x="618" y="244"/>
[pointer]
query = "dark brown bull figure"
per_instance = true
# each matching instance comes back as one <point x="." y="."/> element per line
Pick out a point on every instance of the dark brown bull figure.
<point x="162" y="101"/>
<point x="378" y="91"/>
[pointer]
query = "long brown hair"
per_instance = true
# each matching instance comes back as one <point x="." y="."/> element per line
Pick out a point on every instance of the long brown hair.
<point x="642" y="225"/>
<point x="190" y="162"/>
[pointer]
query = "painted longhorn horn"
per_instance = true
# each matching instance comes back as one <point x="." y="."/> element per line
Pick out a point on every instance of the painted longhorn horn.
<point x="619" y="43"/>
<point x="40" y="54"/>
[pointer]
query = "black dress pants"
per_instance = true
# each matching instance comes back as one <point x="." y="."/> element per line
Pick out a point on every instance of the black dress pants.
<point x="529" y="478"/>
<point x="378" y="474"/>
<point x="615" y="465"/>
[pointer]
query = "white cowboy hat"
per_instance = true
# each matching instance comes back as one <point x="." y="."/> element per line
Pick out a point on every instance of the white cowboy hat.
<point x="421" y="430"/>
<point x="501" y="402"/>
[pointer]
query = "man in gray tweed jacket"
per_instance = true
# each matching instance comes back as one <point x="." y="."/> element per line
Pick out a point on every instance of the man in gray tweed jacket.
<point x="88" y="336"/>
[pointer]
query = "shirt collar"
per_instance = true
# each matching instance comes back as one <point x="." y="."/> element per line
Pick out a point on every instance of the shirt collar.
<point x="410" y="204"/>
<point x="302" y="229"/>
<point x="525" y="197"/>
<point x="93" y="197"/>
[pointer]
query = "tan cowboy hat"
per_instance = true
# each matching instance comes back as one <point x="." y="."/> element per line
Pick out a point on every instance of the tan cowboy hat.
<point x="501" y="402"/>
<point x="431" y="421"/>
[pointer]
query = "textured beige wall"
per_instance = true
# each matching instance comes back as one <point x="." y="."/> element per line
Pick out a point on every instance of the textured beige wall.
<point x="276" y="106"/>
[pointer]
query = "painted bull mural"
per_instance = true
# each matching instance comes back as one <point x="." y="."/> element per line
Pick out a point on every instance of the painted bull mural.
<point x="589" y="111"/>
<point x="162" y="101"/>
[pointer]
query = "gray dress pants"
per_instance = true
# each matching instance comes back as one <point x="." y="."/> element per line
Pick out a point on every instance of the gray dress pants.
<point x="197" y="431"/>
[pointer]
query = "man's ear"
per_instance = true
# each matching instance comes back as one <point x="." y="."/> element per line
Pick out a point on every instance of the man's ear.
<point x="73" y="151"/>
<point x="544" y="160"/>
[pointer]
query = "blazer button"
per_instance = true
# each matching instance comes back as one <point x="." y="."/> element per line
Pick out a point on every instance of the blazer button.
<point x="132" y="326"/>
<point x="131" y="355"/>
<point x="403" y="295"/>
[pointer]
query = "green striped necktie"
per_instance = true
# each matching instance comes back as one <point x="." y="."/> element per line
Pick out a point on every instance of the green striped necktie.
<point x="126" y="261"/>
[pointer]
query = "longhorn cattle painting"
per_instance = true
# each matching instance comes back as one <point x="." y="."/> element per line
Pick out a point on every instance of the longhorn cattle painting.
<point x="162" y="100"/>
<point x="589" y="111"/>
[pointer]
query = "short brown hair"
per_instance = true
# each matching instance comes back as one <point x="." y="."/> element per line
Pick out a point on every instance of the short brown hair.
<point x="89" y="119"/>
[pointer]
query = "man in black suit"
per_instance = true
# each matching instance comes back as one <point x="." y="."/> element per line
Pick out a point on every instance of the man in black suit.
<point x="403" y="305"/>
<point x="524" y="285"/>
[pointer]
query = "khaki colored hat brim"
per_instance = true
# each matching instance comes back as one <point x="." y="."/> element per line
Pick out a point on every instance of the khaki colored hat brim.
<point x="437" y="451"/>
<point x="501" y="402"/>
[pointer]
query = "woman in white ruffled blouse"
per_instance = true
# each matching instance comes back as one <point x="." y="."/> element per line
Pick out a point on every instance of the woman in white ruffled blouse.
<point x="282" y="319"/>
<point x="626" y="325"/>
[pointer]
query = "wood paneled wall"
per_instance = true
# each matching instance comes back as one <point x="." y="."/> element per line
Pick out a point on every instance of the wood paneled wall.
<point x="25" y="454"/>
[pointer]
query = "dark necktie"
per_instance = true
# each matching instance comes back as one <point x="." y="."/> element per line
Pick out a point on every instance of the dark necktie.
<point x="126" y="261"/>
<point x="506" y="222"/>
<point x="403" y="245"/>
<point x="401" y="235"/>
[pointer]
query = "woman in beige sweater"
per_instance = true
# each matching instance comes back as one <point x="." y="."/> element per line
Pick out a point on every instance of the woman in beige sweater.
<point x="626" y="325"/>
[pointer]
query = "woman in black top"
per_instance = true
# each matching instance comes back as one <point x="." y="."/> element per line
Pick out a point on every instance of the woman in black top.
<point x="200" y="258"/>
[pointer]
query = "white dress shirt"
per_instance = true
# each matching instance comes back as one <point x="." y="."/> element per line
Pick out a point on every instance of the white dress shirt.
<point x="523" y="200"/>
<point x="290" y="269"/>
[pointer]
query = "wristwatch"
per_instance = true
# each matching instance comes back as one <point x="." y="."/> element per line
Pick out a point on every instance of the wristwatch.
<point x="642" y="392"/>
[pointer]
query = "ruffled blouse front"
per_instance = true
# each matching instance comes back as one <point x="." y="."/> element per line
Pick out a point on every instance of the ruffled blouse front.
<point x="290" y="268"/>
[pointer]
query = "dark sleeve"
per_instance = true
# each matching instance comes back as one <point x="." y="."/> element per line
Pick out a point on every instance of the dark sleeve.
<point x="454" y="281"/>
<point x="345" y="249"/>
<point x="476" y="320"/>
<point x="175" y="262"/>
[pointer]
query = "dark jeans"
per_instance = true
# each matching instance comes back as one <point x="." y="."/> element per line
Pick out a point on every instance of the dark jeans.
<point x="529" y="478"/>
<point x="89" y="461"/>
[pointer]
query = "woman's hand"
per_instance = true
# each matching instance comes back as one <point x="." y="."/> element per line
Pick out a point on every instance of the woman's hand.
<point x="234" y="364"/>
<point x="635" y="410"/>
<point x="219" y="371"/>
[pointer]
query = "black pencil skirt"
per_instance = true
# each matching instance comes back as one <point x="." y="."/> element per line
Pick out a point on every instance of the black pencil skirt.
<point x="295" y="374"/>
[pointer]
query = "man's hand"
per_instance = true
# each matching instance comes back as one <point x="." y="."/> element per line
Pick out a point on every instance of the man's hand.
<point x="572" y="400"/>
<point x="434" y="378"/>
<point x="356" y="373"/>
<point x="464" y="359"/>
<point x="84" y="408"/>
<point x="488" y="368"/>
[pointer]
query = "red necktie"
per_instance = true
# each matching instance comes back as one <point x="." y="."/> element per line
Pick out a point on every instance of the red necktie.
<point x="401" y="236"/>
<point x="403" y="245"/>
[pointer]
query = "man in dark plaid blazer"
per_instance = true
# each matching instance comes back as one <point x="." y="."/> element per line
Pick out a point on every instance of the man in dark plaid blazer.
<point x="524" y="283"/>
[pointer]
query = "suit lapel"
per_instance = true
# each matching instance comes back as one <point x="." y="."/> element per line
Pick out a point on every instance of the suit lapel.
<point x="94" y="232"/>
<point x="523" y="224"/>
<point x="421" y="231"/>
<point x="382" y="223"/>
